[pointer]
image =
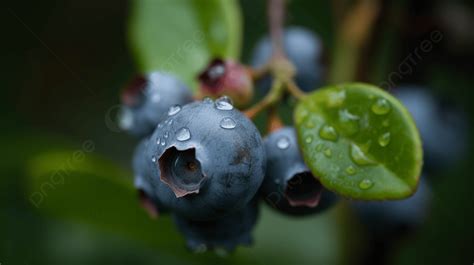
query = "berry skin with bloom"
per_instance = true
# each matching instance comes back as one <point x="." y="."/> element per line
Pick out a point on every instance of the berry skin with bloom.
<point x="142" y="182"/>
<point x="206" y="160"/>
<point x="225" y="233"/>
<point x="289" y="186"/>
<point x="436" y="122"/>
<point x="146" y="100"/>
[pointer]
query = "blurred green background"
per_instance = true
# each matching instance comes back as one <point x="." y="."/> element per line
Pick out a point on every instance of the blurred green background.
<point x="63" y="65"/>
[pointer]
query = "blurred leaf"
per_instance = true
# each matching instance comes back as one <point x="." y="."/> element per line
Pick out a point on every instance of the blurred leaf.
<point x="94" y="191"/>
<point x="360" y="142"/>
<point x="181" y="36"/>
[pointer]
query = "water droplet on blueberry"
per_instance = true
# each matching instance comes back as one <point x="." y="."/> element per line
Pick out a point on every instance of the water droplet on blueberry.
<point x="183" y="134"/>
<point x="174" y="110"/>
<point x="283" y="143"/>
<point x="228" y="123"/>
<point x="224" y="103"/>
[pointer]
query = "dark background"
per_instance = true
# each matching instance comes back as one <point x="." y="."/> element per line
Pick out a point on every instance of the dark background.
<point x="63" y="64"/>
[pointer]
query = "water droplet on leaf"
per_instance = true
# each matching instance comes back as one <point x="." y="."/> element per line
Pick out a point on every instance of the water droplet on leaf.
<point x="359" y="156"/>
<point x="328" y="152"/>
<point x="366" y="184"/>
<point x="384" y="139"/>
<point x="351" y="170"/>
<point x="381" y="107"/>
<point x="328" y="132"/>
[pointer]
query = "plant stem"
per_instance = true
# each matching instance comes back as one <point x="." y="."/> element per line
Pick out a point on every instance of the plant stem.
<point x="352" y="36"/>
<point x="279" y="66"/>
<point x="273" y="96"/>
<point x="276" y="13"/>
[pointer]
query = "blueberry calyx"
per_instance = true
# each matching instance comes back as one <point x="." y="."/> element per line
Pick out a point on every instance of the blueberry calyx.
<point x="132" y="94"/>
<point x="181" y="171"/>
<point x="213" y="75"/>
<point x="303" y="189"/>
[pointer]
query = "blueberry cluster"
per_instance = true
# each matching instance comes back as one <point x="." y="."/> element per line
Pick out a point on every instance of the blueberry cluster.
<point x="205" y="163"/>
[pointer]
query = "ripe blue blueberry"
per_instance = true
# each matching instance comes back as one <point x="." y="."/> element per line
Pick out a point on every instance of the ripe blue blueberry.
<point x="303" y="48"/>
<point x="289" y="186"/>
<point x="146" y="100"/>
<point x="207" y="159"/>
<point x="388" y="216"/>
<point x="443" y="130"/>
<point x="143" y="183"/>
<point x="225" y="233"/>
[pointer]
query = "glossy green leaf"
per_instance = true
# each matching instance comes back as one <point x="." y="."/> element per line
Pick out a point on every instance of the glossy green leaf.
<point x="95" y="192"/>
<point x="360" y="142"/>
<point x="181" y="36"/>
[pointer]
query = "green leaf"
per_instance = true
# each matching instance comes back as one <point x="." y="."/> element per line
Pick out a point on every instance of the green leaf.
<point x="95" y="192"/>
<point x="360" y="142"/>
<point x="181" y="36"/>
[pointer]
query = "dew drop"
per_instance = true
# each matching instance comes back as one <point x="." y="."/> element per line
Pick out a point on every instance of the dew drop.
<point x="336" y="99"/>
<point x="173" y="110"/>
<point x="349" y="122"/>
<point x="207" y="100"/>
<point x="183" y="134"/>
<point x="381" y="107"/>
<point x="328" y="152"/>
<point x="166" y="135"/>
<point x="224" y="103"/>
<point x="351" y="170"/>
<point x="359" y="156"/>
<point x="308" y="139"/>
<point x="160" y="125"/>
<point x="319" y="147"/>
<point x="366" y="184"/>
<point x="153" y="159"/>
<point x="158" y="141"/>
<point x="328" y="132"/>
<point x="283" y="143"/>
<point x="163" y="142"/>
<point x="228" y="123"/>
<point x="384" y="139"/>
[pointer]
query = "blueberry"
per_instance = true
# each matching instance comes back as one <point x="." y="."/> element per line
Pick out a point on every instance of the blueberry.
<point x="224" y="233"/>
<point x="303" y="48"/>
<point x="148" y="199"/>
<point x="389" y="216"/>
<point x="207" y="160"/>
<point x="227" y="77"/>
<point x="146" y="100"/>
<point x="443" y="130"/>
<point x="289" y="186"/>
